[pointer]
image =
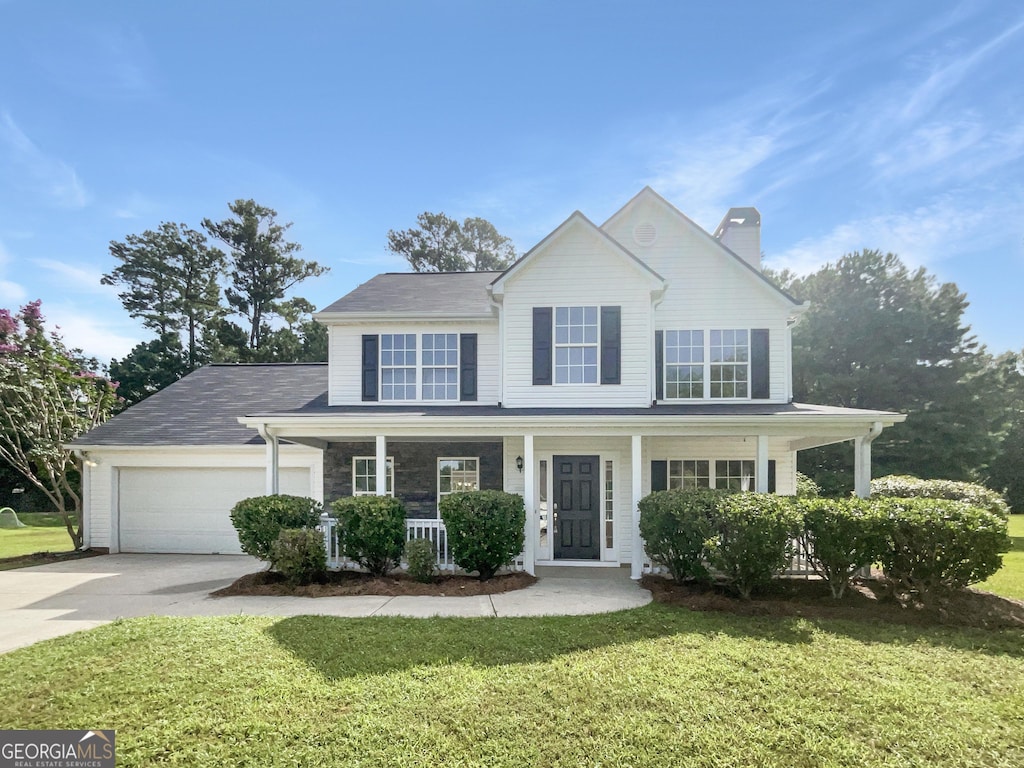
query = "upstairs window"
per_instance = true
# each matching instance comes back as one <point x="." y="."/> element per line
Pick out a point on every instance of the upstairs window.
<point x="398" y="366"/>
<point x="576" y="345"/>
<point x="440" y="366"/>
<point x="730" y="364"/>
<point x="711" y="364"/>
<point x="684" y="364"/>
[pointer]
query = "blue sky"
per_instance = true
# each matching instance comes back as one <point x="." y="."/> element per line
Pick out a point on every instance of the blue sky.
<point x="897" y="126"/>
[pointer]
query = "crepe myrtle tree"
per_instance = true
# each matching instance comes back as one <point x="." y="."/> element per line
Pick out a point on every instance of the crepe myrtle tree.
<point x="49" y="395"/>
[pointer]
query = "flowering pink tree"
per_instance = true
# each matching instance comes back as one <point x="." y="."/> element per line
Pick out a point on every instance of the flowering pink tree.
<point x="49" y="395"/>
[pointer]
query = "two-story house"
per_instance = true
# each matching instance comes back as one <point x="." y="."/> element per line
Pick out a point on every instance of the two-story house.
<point x="607" y="362"/>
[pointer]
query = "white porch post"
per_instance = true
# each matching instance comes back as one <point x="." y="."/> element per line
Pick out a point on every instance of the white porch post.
<point x="862" y="461"/>
<point x="382" y="466"/>
<point x="273" y="461"/>
<point x="761" y="465"/>
<point x="530" y="502"/>
<point x="636" y="464"/>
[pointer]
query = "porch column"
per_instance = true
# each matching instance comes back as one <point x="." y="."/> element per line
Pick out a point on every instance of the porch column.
<point x="530" y="502"/>
<point x="382" y="466"/>
<point x="862" y="461"/>
<point x="761" y="465"/>
<point x="636" y="464"/>
<point x="273" y="461"/>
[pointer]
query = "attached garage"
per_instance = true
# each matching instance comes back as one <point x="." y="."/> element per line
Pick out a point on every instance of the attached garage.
<point x="187" y="509"/>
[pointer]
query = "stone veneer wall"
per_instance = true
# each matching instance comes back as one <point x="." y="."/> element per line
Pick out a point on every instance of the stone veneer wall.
<point x="415" y="470"/>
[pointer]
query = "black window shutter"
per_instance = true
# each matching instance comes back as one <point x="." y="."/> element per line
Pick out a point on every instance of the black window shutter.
<point x="659" y="365"/>
<point x="611" y="345"/>
<point x="771" y="475"/>
<point x="467" y="366"/>
<point x="659" y="476"/>
<point x="760" y="381"/>
<point x="542" y="345"/>
<point x="370" y="357"/>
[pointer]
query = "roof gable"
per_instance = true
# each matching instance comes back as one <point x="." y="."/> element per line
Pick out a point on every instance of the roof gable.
<point x="576" y="221"/>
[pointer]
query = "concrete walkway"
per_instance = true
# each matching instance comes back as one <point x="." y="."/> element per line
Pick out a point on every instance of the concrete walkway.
<point x="52" y="600"/>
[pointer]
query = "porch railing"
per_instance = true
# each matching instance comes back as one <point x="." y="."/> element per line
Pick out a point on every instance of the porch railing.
<point x="799" y="566"/>
<point x="415" y="528"/>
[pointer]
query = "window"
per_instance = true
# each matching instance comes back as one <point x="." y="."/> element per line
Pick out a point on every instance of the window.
<point x="734" y="475"/>
<point x="687" y="474"/>
<point x="364" y="476"/>
<point x="576" y="345"/>
<point x="609" y="505"/>
<point x="440" y="366"/>
<point x="712" y="364"/>
<point x="684" y="364"/>
<point x="455" y="475"/>
<point x="730" y="363"/>
<point x="398" y="366"/>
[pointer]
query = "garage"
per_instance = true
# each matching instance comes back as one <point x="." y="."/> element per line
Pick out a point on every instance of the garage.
<point x="187" y="509"/>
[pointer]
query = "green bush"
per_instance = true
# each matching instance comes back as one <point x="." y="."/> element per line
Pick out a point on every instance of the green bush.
<point x="753" y="539"/>
<point x="937" y="545"/>
<point x="676" y="526"/>
<point x="843" y="536"/>
<point x="907" y="487"/>
<point x="299" y="555"/>
<point x="485" y="529"/>
<point x="421" y="559"/>
<point x="260" y="520"/>
<point x="372" y="531"/>
<point x="806" y="488"/>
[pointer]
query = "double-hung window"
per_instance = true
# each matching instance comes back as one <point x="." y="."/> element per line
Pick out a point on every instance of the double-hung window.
<point x="730" y="363"/>
<point x="455" y="475"/>
<point x="576" y="345"/>
<point x="688" y="474"/>
<point x="684" y="364"/>
<point x="428" y="373"/>
<point x="440" y="366"/>
<point x="734" y="475"/>
<point x="398" y="366"/>
<point x="707" y="364"/>
<point x="364" y="476"/>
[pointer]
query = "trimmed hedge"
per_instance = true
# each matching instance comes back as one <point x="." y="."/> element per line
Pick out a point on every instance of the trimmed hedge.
<point x="676" y="526"/>
<point x="259" y="520"/>
<point x="299" y="555"/>
<point x="372" y="531"/>
<point x="909" y="487"/>
<point x="843" y="536"/>
<point x="937" y="545"/>
<point x="421" y="559"/>
<point x="485" y="529"/>
<point x="754" y="540"/>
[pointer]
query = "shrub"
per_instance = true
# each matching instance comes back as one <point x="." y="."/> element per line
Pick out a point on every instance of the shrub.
<point x="753" y="540"/>
<point x="676" y="526"/>
<point x="372" y="531"/>
<point x="936" y="544"/>
<point x="485" y="529"/>
<point x="908" y="487"/>
<point x="843" y="536"/>
<point x="806" y="488"/>
<point x="421" y="558"/>
<point x="299" y="555"/>
<point x="260" y="520"/>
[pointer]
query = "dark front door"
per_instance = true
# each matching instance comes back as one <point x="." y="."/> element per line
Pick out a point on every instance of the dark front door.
<point x="577" y="508"/>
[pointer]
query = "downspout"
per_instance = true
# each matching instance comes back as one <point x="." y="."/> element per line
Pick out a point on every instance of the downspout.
<point x="83" y="523"/>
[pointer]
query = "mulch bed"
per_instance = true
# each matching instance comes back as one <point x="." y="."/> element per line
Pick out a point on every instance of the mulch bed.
<point x="870" y="600"/>
<point x="45" y="558"/>
<point x="342" y="583"/>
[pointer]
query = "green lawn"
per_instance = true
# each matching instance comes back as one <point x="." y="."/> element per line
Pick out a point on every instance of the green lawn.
<point x="1009" y="581"/>
<point x="657" y="686"/>
<point x="43" y="532"/>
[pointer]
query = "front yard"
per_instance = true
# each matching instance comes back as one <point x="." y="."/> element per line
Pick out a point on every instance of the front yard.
<point x="43" y="532"/>
<point x="1009" y="581"/>
<point x="656" y="686"/>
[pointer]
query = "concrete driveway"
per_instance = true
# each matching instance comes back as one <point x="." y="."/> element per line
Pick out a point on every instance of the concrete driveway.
<point x="52" y="600"/>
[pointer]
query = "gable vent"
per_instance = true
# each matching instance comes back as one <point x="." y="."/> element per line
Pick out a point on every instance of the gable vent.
<point x="645" y="233"/>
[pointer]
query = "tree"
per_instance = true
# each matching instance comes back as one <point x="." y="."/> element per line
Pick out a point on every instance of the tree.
<point x="149" y="367"/>
<point x="170" y="279"/>
<point x="49" y="395"/>
<point x="881" y="336"/>
<point x="441" y="244"/>
<point x="263" y="267"/>
<point x="1006" y="470"/>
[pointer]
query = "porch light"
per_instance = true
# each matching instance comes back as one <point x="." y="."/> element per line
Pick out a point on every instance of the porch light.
<point x="519" y="463"/>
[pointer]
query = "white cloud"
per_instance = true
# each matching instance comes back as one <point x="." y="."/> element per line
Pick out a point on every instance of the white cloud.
<point x="89" y="332"/>
<point x="80" y="278"/>
<point x="45" y="173"/>
<point x="11" y="293"/>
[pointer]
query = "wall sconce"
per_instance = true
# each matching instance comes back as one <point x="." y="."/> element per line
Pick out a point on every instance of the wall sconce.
<point x="519" y="463"/>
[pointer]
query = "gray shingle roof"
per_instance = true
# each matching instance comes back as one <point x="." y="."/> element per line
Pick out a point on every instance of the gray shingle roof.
<point x="427" y="293"/>
<point x="203" y="408"/>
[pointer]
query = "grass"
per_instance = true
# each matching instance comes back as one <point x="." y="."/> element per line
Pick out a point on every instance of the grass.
<point x="1009" y="581"/>
<point x="657" y="686"/>
<point x="43" y="532"/>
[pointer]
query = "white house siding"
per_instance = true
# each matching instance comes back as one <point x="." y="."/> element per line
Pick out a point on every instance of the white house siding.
<point x="579" y="268"/>
<point x="101" y="506"/>
<point x="345" y="355"/>
<point x="707" y="287"/>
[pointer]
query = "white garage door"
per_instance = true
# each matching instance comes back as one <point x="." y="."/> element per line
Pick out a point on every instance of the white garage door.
<point x="187" y="510"/>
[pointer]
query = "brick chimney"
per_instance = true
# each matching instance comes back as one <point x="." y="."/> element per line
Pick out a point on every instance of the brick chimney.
<point x="740" y="232"/>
